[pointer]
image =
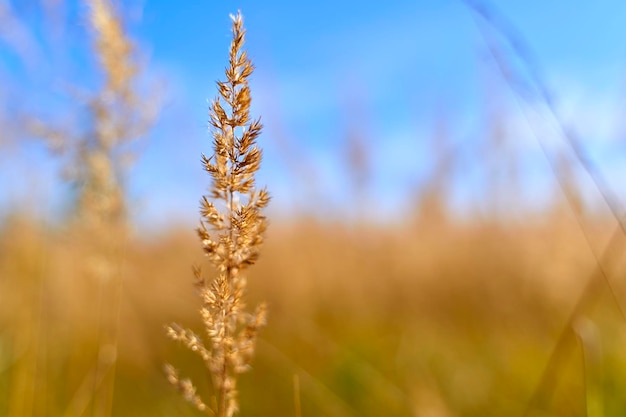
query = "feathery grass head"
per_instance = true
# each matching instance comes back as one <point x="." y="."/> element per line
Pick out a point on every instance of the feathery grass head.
<point x="120" y="113"/>
<point x="102" y="198"/>
<point x="112" y="46"/>
<point x="231" y="231"/>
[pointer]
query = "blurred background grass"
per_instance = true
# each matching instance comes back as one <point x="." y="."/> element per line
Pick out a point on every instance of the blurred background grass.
<point x="427" y="319"/>
<point x="452" y="291"/>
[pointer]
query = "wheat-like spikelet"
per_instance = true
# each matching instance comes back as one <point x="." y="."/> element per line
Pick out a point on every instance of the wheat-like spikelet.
<point x="120" y="114"/>
<point x="231" y="231"/>
<point x="101" y="199"/>
<point x="113" y="47"/>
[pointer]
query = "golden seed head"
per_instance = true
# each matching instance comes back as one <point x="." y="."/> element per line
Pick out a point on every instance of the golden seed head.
<point x="230" y="231"/>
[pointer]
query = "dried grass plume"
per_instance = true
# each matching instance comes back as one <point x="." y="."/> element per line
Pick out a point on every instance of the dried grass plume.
<point x="231" y="232"/>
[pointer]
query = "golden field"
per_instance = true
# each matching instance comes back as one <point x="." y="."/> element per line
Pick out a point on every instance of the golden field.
<point x="427" y="319"/>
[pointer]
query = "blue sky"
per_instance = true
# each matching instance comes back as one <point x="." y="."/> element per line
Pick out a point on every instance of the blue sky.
<point x="389" y="71"/>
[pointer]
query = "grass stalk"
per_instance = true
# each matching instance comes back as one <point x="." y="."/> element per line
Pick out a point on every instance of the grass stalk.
<point x="231" y="232"/>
